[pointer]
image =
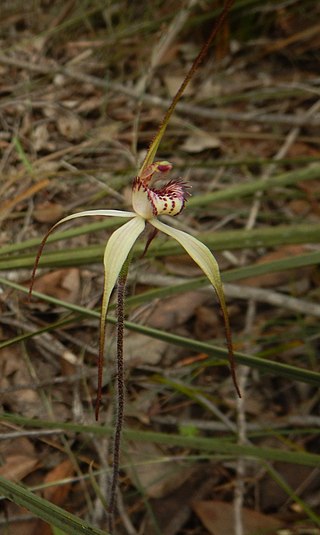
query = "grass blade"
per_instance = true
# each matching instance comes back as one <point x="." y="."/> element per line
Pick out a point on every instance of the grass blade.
<point x="47" y="511"/>
<point x="222" y="446"/>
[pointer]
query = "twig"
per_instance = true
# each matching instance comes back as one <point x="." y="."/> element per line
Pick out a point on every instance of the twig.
<point x="36" y="433"/>
<point x="240" y="291"/>
<point x="273" y="298"/>
<point x="290" y="139"/>
<point x="46" y="340"/>
<point x="243" y="373"/>
<point x="204" y="425"/>
<point x="49" y="382"/>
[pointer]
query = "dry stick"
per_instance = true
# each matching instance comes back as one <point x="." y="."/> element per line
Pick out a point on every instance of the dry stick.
<point x="125" y="517"/>
<point x="242" y="426"/>
<point x="120" y="395"/>
<point x="240" y="291"/>
<point x="290" y="139"/>
<point x="272" y="298"/>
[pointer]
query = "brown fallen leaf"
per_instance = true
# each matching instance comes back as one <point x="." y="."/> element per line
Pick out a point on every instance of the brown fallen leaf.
<point x="63" y="284"/>
<point x="272" y="496"/>
<point x="139" y="350"/>
<point x="14" y="372"/>
<point x="218" y="518"/>
<point x="200" y="141"/>
<point x="40" y="137"/>
<point x="20" y="459"/>
<point x="156" y="478"/>
<point x="70" y="126"/>
<point x="18" y="466"/>
<point x="174" y="311"/>
<point x="281" y="277"/>
<point x="48" y="212"/>
<point x="57" y="494"/>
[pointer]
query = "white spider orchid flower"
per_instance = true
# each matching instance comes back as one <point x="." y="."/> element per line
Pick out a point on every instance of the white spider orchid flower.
<point x="148" y="203"/>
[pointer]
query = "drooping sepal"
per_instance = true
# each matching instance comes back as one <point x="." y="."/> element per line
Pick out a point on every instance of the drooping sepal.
<point x="206" y="261"/>
<point x="116" y="252"/>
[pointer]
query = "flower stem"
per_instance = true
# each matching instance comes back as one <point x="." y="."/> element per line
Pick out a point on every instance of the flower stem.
<point x="120" y="396"/>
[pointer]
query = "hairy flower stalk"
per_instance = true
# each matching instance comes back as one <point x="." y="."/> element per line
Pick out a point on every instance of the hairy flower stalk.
<point x="148" y="203"/>
<point x="119" y="406"/>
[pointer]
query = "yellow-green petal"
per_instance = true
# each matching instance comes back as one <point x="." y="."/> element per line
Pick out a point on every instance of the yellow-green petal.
<point x="116" y="252"/>
<point x="206" y="261"/>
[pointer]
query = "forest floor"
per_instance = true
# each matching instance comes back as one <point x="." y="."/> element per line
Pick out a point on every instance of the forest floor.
<point x="84" y="85"/>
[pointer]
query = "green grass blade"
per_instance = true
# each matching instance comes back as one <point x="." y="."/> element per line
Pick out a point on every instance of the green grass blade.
<point x="22" y="155"/>
<point x="292" y="494"/>
<point x="214" y="445"/>
<point x="106" y="223"/>
<point x="47" y="511"/>
<point x="249" y="188"/>
<point x="264" y="365"/>
<point x="231" y="239"/>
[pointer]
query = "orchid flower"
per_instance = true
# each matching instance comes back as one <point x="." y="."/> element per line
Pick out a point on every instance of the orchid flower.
<point x="148" y="203"/>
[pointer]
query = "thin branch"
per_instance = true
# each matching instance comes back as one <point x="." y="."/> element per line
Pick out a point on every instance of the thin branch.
<point x="272" y="298"/>
<point x="243" y="292"/>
